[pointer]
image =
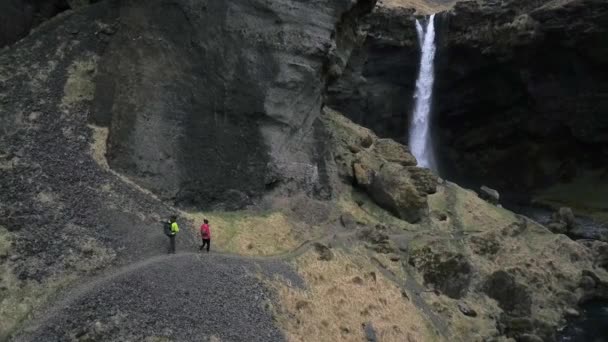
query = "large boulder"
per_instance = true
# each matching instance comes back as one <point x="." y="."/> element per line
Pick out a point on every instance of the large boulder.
<point x="489" y="194"/>
<point x="383" y="168"/>
<point x="394" y="188"/>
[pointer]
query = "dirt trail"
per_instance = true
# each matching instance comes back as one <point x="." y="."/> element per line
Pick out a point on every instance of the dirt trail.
<point x="184" y="297"/>
<point x="83" y="309"/>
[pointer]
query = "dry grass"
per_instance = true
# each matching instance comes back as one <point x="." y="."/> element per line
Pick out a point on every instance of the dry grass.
<point x="249" y="233"/>
<point x="99" y="145"/>
<point x="464" y="328"/>
<point x="424" y="7"/>
<point x="342" y="295"/>
<point x="476" y="214"/>
<point x="79" y="85"/>
<point x="393" y="266"/>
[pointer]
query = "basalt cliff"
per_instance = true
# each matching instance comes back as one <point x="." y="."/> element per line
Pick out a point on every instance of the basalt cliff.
<point x="283" y="123"/>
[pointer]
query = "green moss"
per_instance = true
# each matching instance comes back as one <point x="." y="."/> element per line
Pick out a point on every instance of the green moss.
<point x="586" y="195"/>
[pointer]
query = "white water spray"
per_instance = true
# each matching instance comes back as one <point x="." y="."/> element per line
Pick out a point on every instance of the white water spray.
<point x="420" y="139"/>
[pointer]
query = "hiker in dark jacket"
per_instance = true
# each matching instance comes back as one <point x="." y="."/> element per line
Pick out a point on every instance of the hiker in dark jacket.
<point x="205" y="235"/>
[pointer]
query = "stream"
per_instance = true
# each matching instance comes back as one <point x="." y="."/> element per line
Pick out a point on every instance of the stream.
<point x="591" y="326"/>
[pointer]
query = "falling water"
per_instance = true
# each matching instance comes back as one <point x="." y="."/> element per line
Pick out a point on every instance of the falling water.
<point x="420" y="139"/>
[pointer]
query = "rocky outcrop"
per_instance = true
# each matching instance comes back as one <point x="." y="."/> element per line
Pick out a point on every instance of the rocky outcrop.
<point x="520" y="88"/>
<point x="489" y="194"/>
<point x="383" y="168"/>
<point x="505" y="265"/>
<point x="217" y="107"/>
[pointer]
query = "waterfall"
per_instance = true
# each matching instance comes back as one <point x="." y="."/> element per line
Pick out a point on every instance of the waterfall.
<point x="420" y="139"/>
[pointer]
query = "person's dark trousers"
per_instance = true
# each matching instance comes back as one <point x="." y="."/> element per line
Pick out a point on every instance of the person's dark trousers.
<point x="206" y="242"/>
<point x="172" y="244"/>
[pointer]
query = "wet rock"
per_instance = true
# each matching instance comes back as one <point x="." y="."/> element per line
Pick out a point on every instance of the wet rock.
<point x="592" y="275"/>
<point x="581" y="232"/>
<point x="563" y="219"/>
<point x="558" y="227"/>
<point x="525" y="327"/>
<point x="489" y="195"/>
<point x="325" y="253"/>
<point x="600" y="251"/>
<point x="466" y="310"/>
<point x="571" y="313"/>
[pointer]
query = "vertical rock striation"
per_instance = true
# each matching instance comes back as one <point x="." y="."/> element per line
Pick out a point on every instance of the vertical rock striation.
<point x="212" y="103"/>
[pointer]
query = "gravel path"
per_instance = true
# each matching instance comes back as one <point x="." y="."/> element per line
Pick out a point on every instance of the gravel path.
<point x="185" y="297"/>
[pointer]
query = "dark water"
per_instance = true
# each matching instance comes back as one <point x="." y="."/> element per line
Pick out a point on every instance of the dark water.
<point x="587" y="228"/>
<point x="592" y="326"/>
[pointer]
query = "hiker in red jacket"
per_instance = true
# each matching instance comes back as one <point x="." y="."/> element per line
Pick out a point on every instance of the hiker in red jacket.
<point x="206" y="235"/>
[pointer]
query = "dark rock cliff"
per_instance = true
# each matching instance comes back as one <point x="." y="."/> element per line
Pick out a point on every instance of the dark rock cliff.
<point x="213" y="103"/>
<point x="18" y="17"/>
<point x="520" y="92"/>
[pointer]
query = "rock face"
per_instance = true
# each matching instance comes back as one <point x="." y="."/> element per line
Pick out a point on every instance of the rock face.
<point x="217" y="106"/>
<point x="17" y="17"/>
<point x="383" y="168"/>
<point x="514" y="94"/>
<point x="377" y="86"/>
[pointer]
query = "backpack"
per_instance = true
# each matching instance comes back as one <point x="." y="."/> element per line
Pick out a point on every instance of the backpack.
<point x="167" y="228"/>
